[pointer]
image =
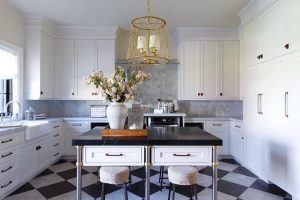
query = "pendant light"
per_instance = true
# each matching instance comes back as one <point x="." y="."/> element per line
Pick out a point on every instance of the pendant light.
<point x="148" y="42"/>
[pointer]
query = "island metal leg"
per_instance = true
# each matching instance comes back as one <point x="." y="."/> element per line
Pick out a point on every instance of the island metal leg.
<point x="147" y="171"/>
<point x="79" y="166"/>
<point x="215" y="173"/>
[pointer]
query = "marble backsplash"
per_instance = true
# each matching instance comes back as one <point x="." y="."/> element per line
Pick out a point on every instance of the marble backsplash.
<point x="162" y="85"/>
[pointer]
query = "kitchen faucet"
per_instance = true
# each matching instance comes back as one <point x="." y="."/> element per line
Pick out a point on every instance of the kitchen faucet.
<point x="11" y="102"/>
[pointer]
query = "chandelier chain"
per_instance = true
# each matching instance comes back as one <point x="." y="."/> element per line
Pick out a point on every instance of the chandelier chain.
<point x="149" y="7"/>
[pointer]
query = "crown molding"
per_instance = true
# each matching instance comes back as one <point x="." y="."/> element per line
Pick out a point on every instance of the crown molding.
<point x="253" y="9"/>
<point x="39" y="22"/>
<point x="203" y="33"/>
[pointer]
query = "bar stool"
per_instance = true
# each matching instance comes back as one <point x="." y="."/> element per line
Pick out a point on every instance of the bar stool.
<point x="183" y="175"/>
<point x="114" y="176"/>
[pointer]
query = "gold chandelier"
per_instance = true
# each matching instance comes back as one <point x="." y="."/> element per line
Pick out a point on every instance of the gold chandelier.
<point x="148" y="42"/>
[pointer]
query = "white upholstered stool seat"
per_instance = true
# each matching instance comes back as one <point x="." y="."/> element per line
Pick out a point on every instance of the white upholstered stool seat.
<point x="114" y="175"/>
<point x="183" y="175"/>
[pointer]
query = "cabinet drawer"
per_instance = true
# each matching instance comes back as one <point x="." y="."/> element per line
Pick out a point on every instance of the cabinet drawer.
<point x="180" y="155"/>
<point x="237" y="126"/>
<point x="8" y="168"/>
<point x="6" y="184"/>
<point x="216" y="124"/>
<point x="8" y="154"/>
<point x="7" y="141"/>
<point x="77" y="126"/>
<point x="113" y="155"/>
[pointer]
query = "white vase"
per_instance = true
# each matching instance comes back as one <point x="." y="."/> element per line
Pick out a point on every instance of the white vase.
<point x="116" y="115"/>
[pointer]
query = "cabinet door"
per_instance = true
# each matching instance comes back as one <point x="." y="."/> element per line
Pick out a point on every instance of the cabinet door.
<point x="253" y="121"/>
<point x="70" y="150"/>
<point x="237" y="145"/>
<point x="86" y="63"/>
<point x="222" y="134"/>
<point x="293" y="109"/>
<point x="293" y="28"/>
<point x="189" y="70"/>
<point x="43" y="149"/>
<point x="275" y="146"/>
<point x="47" y="67"/>
<point x="28" y="162"/>
<point x="210" y="63"/>
<point x="229" y="73"/>
<point x="106" y="56"/>
<point x="64" y="68"/>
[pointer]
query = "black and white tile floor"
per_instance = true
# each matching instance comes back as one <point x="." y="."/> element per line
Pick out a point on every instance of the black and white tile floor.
<point x="58" y="182"/>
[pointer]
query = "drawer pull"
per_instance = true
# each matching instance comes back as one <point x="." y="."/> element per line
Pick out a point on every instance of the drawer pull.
<point x="56" y="154"/>
<point x="57" y="126"/>
<point x="3" y="186"/>
<point x="56" y="135"/>
<point x="3" y="156"/>
<point x="237" y="126"/>
<point x="38" y="148"/>
<point x="113" y="154"/>
<point x="5" y="170"/>
<point x="182" y="155"/>
<point x="55" y="145"/>
<point x="217" y="124"/>
<point x="6" y="141"/>
<point x="76" y="124"/>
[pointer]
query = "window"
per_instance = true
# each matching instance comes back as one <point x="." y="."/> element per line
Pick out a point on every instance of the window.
<point x="10" y="82"/>
<point x="6" y="94"/>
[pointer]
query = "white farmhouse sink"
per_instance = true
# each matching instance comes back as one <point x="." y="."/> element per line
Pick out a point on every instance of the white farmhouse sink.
<point x="35" y="129"/>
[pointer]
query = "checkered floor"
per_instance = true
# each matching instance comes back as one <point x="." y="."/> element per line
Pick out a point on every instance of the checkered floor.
<point x="235" y="183"/>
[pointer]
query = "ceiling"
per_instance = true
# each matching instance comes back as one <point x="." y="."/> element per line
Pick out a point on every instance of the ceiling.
<point x="188" y="13"/>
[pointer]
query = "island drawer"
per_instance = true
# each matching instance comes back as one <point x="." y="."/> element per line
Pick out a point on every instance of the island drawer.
<point x="181" y="155"/>
<point x="10" y="140"/>
<point x="8" y="168"/>
<point x="113" y="155"/>
<point x="8" y="154"/>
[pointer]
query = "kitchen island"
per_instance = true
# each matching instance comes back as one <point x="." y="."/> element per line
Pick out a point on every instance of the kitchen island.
<point x="163" y="146"/>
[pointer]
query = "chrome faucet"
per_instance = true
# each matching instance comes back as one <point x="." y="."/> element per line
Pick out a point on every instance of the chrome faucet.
<point x="11" y="102"/>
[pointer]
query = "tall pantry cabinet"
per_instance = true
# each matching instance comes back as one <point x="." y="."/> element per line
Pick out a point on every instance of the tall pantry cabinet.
<point x="271" y="94"/>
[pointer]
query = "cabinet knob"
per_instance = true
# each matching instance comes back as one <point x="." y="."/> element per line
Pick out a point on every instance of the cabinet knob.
<point x="287" y="46"/>
<point x="221" y="94"/>
<point x="201" y="93"/>
<point x="258" y="57"/>
<point x="72" y="93"/>
<point x="198" y="94"/>
<point x="93" y="93"/>
<point x="42" y="92"/>
<point x="96" y="93"/>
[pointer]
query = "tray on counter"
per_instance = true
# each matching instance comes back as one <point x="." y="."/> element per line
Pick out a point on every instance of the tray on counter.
<point x="107" y="132"/>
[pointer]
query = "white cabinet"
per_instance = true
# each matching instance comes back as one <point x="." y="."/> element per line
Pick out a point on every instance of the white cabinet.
<point x="73" y="130"/>
<point x="86" y="62"/>
<point x="293" y="28"/>
<point x="39" y="65"/>
<point x="77" y="59"/>
<point x="293" y="128"/>
<point x="221" y="130"/>
<point x="208" y="70"/>
<point x="229" y="70"/>
<point x="43" y="153"/>
<point x="64" y="68"/>
<point x="237" y="141"/>
<point x="28" y="162"/>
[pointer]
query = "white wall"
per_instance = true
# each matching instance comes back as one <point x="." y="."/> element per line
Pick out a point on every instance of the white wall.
<point x="11" y="25"/>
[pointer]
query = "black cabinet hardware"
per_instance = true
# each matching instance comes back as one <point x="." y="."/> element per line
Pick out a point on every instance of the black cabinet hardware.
<point x="182" y="155"/>
<point x="113" y="154"/>
<point x="6" y="141"/>
<point x="38" y="148"/>
<point x="287" y="46"/>
<point x="9" y="154"/>
<point x="3" y="186"/>
<point x="5" y="170"/>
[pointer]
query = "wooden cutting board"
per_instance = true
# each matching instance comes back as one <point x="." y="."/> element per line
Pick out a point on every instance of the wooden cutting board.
<point x="107" y="132"/>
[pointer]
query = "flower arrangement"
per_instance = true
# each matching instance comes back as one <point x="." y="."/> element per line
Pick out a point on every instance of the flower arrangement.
<point x="116" y="88"/>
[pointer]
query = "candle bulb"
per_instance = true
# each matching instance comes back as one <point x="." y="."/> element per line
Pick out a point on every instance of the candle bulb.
<point x="154" y="42"/>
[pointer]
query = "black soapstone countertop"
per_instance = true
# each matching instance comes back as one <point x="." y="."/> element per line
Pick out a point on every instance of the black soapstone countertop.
<point x="156" y="136"/>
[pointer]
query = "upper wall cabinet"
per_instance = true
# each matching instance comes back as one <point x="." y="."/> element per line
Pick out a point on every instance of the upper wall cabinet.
<point x="273" y="33"/>
<point x="39" y="65"/>
<point x="209" y="70"/>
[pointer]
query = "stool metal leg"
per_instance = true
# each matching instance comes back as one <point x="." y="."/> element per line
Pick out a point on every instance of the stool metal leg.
<point x="130" y="178"/>
<point x="170" y="188"/>
<point x="103" y="192"/>
<point x="125" y="192"/>
<point x="98" y="175"/>
<point x="195" y="191"/>
<point x="192" y="192"/>
<point x="173" y="195"/>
